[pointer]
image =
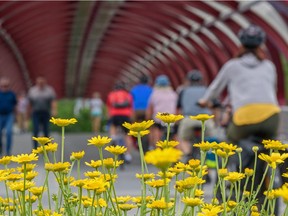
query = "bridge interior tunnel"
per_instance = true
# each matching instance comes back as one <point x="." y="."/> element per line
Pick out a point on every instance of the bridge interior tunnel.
<point x="86" y="46"/>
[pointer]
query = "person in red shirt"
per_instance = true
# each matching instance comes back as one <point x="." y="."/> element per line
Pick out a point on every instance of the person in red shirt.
<point x="120" y="109"/>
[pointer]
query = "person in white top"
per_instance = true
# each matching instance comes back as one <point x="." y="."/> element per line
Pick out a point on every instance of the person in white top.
<point x="96" y="109"/>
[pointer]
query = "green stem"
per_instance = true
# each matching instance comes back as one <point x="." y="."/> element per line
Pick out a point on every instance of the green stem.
<point x="80" y="198"/>
<point x="202" y="131"/>
<point x="78" y="169"/>
<point x="24" y="188"/>
<point x="168" y="132"/>
<point x="143" y="165"/>
<point x="63" y="144"/>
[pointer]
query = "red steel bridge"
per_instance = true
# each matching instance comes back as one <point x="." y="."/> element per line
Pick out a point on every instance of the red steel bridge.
<point x="85" y="46"/>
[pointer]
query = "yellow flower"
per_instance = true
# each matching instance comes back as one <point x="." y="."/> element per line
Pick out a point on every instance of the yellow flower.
<point x="122" y="199"/>
<point x="194" y="163"/>
<point x="223" y="172"/>
<point x="138" y="126"/>
<point x="159" y="204"/>
<point x="165" y="144"/>
<point x="199" y="193"/>
<point x="29" y="167"/>
<point x="93" y="174"/>
<point x="12" y="177"/>
<point x="135" y="134"/>
<point x="94" y="164"/>
<point x="157" y="183"/>
<point x="163" y="158"/>
<point x="43" y="140"/>
<point x="30" y="175"/>
<point x="79" y="183"/>
<point x="145" y="176"/>
<point x="175" y="169"/>
<point x="273" y="159"/>
<point x="189" y="182"/>
<point x="51" y="147"/>
<point x="232" y="204"/>
<point x="205" y="146"/>
<point x="110" y="163"/>
<point x="168" y="175"/>
<point x="168" y="118"/>
<point x="5" y="160"/>
<point x="37" y="191"/>
<point x="138" y="199"/>
<point x="116" y="150"/>
<point x="224" y="154"/>
<point x="19" y="185"/>
<point x="275" y="145"/>
<point x="248" y="172"/>
<point x="99" y="185"/>
<point x="77" y="155"/>
<point x="272" y="194"/>
<point x="127" y="207"/>
<point x="25" y="158"/>
<point x="226" y="147"/>
<point x="62" y="122"/>
<point x="285" y="175"/>
<point x="202" y="117"/>
<point x="190" y="201"/>
<point x="234" y="176"/>
<point x="99" y="141"/>
<point x="283" y="193"/>
<point x="57" y="167"/>
<point x="208" y="210"/>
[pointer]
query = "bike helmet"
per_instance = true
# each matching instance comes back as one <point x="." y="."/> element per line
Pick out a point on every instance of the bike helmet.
<point x="195" y="76"/>
<point x="252" y="37"/>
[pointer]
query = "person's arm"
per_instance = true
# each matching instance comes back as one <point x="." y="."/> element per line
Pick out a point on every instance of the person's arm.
<point x="54" y="108"/>
<point x="179" y="105"/>
<point x="216" y="87"/>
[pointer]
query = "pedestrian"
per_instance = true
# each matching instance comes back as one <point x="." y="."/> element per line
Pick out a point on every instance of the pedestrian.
<point x="8" y="102"/>
<point x="42" y="101"/>
<point x="189" y="129"/>
<point x="96" y="111"/>
<point x="141" y="93"/>
<point x="163" y="99"/>
<point x="22" y="112"/>
<point x="120" y="110"/>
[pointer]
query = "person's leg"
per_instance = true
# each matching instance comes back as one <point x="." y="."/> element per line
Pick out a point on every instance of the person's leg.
<point x="2" y="124"/>
<point x="45" y="123"/>
<point x="9" y="133"/>
<point x="36" y="125"/>
<point x="96" y="123"/>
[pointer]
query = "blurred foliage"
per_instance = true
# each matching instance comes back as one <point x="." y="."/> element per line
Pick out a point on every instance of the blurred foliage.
<point x="66" y="111"/>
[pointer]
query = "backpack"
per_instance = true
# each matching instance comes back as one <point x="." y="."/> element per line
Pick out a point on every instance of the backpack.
<point x="121" y="100"/>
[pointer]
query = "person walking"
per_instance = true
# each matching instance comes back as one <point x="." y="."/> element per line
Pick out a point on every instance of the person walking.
<point x="141" y="93"/>
<point x="42" y="101"/>
<point x="96" y="110"/>
<point x="163" y="99"/>
<point x="120" y="110"/>
<point x="187" y="106"/>
<point x="22" y="112"/>
<point x="8" y="102"/>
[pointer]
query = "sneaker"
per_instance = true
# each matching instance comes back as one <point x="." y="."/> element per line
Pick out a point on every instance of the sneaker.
<point x="128" y="158"/>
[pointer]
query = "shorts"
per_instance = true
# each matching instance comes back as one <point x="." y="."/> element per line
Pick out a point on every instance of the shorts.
<point x="119" y="120"/>
<point x="188" y="125"/>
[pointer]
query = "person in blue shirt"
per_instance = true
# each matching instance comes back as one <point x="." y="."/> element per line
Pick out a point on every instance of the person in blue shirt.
<point x="141" y="93"/>
<point x="8" y="103"/>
